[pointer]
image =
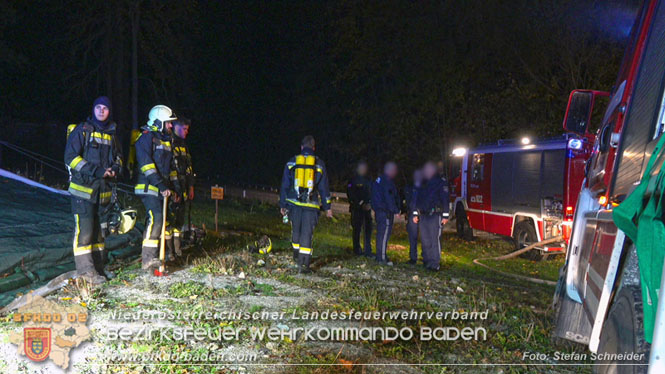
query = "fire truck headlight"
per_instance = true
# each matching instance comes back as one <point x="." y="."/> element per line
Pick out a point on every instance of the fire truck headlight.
<point x="575" y="144"/>
<point x="459" y="152"/>
<point x="526" y="140"/>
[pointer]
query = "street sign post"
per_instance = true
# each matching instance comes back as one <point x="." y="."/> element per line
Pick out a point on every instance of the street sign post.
<point x="216" y="193"/>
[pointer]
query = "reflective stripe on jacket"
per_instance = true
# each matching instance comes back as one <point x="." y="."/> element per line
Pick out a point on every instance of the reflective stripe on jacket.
<point x="153" y="157"/>
<point x="90" y="150"/>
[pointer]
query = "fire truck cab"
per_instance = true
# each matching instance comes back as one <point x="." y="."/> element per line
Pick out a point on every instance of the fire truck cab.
<point x="525" y="190"/>
<point x="599" y="299"/>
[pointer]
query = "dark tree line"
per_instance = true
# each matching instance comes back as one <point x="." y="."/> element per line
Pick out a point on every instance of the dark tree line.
<point x="378" y="80"/>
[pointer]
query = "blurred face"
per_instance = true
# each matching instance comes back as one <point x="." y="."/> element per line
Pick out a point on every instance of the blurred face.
<point x="429" y="170"/>
<point x="102" y="112"/>
<point x="362" y="169"/>
<point x="182" y="131"/>
<point x="391" y="170"/>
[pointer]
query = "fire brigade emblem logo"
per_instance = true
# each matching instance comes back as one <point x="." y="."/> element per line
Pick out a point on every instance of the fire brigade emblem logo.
<point x="37" y="342"/>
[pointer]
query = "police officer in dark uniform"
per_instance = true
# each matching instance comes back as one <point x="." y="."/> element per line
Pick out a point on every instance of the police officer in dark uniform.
<point x="359" y="193"/>
<point x="386" y="203"/>
<point x="411" y="194"/>
<point x="93" y="156"/>
<point x="433" y="208"/>
<point x="182" y="164"/>
<point x="304" y="193"/>
<point x="156" y="179"/>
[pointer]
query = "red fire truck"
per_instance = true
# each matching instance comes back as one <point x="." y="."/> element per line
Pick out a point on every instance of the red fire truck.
<point x="599" y="298"/>
<point x="525" y="190"/>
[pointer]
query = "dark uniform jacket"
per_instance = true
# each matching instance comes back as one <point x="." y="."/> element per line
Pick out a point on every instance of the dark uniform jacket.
<point x="153" y="156"/>
<point x="434" y="198"/>
<point x="319" y="198"/>
<point x="411" y="194"/>
<point x="385" y="197"/>
<point x="182" y="164"/>
<point x="359" y="192"/>
<point x="91" y="149"/>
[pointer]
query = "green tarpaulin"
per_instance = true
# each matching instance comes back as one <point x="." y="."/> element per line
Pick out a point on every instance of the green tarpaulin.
<point x="36" y="228"/>
<point x="640" y="217"/>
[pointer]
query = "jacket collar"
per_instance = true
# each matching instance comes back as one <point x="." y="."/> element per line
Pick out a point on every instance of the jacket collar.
<point x="307" y="151"/>
<point x="109" y="128"/>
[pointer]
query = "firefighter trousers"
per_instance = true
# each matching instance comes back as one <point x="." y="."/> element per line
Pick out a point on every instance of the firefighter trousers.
<point x="384" y="227"/>
<point x="412" y="230"/>
<point x="173" y="232"/>
<point x="303" y="222"/>
<point x="430" y="236"/>
<point x="361" y="220"/>
<point x="89" y="253"/>
<point x="153" y="228"/>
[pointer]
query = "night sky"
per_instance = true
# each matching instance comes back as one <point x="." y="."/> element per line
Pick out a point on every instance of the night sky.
<point x="402" y="80"/>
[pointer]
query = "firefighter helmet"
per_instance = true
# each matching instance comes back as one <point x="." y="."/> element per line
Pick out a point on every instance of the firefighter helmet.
<point x="122" y="221"/>
<point x="265" y="245"/>
<point x="158" y="115"/>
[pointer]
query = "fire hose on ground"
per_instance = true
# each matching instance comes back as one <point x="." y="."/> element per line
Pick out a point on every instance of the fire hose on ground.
<point x="515" y="254"/>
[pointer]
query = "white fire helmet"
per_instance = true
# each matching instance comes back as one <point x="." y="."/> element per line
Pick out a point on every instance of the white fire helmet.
<point x="160" y="114"/>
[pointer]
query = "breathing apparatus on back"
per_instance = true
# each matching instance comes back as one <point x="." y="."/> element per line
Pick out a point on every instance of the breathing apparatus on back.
<point x="303" y="181"/>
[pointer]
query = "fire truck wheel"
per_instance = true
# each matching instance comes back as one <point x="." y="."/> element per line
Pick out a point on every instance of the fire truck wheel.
<point x="623" y="333"/>
<point x="524" y="235"/>
<point x="464" y="229"/>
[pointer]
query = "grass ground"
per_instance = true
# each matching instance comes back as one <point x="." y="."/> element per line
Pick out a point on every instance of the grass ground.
<point x="222" y="275"/>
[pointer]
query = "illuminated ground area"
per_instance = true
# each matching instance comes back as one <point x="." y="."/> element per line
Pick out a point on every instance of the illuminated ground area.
<point x="222" y="276"/>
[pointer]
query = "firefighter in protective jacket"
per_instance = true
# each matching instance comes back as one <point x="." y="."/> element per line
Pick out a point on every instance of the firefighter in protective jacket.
<point x="93" y="156"/>
<point x="303" y="194"/>
<point x="182" y="164"/>
<point x="156" y="179"/>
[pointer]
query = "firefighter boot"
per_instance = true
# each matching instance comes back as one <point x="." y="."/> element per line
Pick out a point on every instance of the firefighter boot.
<point x="303" y="263"/>
<point x="177" y="242"/>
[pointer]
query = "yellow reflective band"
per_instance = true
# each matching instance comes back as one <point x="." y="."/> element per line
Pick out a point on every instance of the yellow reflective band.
<point x="319" y="170"/>
<point x="305" y="250"/>
<point x="147" y="167"/>
<point x="173" y="173"/>
<point x="105" y="195"/>
<point x="77" y="230"/>
<point x="298" y="203"/>
<point x="98" y="246"/>
<point x="181" y="150"/>
<point x="152" y="243"/>
<point x="141" y="187"/>
<point x="148" y="230"/>
<point x="78" y="187"/>
<point x="295" y="246"/>
<point x="75" y="162"/>
<point x="82" y="250"/>
<point x="101" y="135"/>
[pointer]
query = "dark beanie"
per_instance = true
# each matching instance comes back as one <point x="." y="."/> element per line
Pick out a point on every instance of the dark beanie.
<point x="102" y="100"/>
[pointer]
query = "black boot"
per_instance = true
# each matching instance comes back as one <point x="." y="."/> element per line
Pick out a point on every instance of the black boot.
<point x="303" y="263"/>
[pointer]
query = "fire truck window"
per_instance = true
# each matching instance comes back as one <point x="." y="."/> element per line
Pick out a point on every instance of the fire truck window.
<point x="478" y="167"/>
